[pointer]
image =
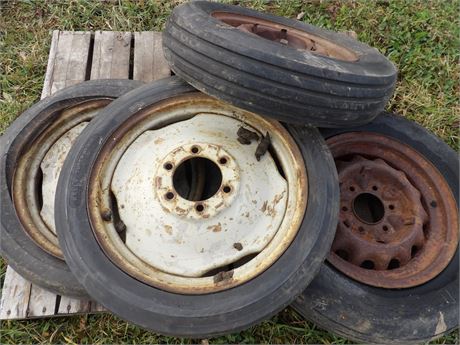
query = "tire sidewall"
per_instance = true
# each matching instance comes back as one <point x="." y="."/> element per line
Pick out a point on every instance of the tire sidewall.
<point x="20" y="250"/>
<point x="190" y="315"/>
<point x="370" y="314"/>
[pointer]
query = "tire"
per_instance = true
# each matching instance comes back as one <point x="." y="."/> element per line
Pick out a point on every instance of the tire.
<point x="177" y="314"/>
<point x="374" y="315"/>
<point x="21" y="252"/>
<point x="271" y="79"/>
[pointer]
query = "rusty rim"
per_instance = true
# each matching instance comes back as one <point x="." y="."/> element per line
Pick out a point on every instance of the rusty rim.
<point x="285" y="35"/>
<point x="398" y="223"/>
<point x="107" y="213"/>
<point x="35" y="206"/>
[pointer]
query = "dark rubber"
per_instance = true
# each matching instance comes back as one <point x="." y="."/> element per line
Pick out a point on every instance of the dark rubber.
<point x="20" y="251"/>
<point x="191" y="315"/>
<point x="374" y="315"/>
<point x="270" y="79"/>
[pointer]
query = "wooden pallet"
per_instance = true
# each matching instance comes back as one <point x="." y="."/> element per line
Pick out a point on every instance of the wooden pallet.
<point x="75" y="57"/>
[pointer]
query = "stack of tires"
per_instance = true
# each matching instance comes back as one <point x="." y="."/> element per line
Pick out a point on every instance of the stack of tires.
<point x="264" y="173"/>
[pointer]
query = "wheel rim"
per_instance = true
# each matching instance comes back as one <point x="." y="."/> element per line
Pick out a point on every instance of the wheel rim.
<point x="37" y="173"/>
<point x="286" y="35"/>
<point x="219" y="232"/>
<point x="398" y="224"/>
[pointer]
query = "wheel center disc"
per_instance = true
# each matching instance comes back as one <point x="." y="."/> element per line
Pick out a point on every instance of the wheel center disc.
<point x="286" y="35"/>
<point x="194" y="237"/>
<point x="180" y="201"/>
<point x="389" y="233"/>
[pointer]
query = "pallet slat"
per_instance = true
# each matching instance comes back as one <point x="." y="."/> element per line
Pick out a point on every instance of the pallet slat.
<point x="149" y="61"/>
<point x="111" y="55"/>
<point x="15" y="296"/>
<point x="67" y="65"/>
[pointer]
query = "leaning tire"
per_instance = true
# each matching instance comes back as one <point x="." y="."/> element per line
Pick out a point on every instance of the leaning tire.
<point x="192" y="314"/>
<point x="40" y="260"/>
<point x="291" y="84"/>
<point x="416" y="314"/>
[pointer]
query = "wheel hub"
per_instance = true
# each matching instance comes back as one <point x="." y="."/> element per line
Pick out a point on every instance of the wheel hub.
<point x="181" y="202"/>
<point x="194" y="237"/>
<point x="381" y="218"/>
<point x="398" y="223"/>
<point x="286" y="35"/>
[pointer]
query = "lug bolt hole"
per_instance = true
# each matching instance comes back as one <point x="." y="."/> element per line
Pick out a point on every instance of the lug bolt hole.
<point x="375" y="188"/>
<point x="227" y="189"/>
<point x="195" y="149"/>
<point x="391" y="207"/>
<point x="367" y="264"/>
<point x="394" y="263"/>
<point x="361" y="229"/>
<point x="344" y="209"/>
<point x="169" y="195"/>
<point x="343" y="254"/>
<point x="168" y="166"/>
<point x="199" y="208"/>
<point x="352" y="188"/>
<point x="223" y="160"/>
<point x="385" y="228"/>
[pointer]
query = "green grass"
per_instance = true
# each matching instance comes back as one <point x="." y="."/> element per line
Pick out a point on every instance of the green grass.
<point x="420" y="37"/>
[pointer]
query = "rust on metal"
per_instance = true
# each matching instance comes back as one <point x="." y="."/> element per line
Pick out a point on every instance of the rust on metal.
<point x="245" y="136"/>
<point x="26" y="179"/>
<point x="263" y="146"/>
<point x="389" y="233"/>
<point x="286" y="35"/>
<point x="238" y="246"/>
<point x="223" y="276"/>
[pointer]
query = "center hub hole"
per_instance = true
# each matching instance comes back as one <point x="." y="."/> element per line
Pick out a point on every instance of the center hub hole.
<point x="368" y="208"/>
<point x="197" y="179"/>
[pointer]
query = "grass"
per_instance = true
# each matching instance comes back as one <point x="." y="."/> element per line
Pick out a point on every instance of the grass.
<point x="420" y="37"/>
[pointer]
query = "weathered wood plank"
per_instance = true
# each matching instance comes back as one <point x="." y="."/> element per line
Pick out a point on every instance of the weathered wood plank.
<point x="111" y="55"/>
<point x="71" y="59"/>
<point x="15" y="296"/>
<point x="149" y="61"/>
<point x="69" y="305"/>
<point x="41" y="302"/>
<point x="46" y="91"/>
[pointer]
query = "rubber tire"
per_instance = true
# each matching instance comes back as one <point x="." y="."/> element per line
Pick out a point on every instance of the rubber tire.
<point x="17" y="247"/>
<point x="271" y="79"/>
<point x="373" y="315"/>
<point x="198" y="316"/>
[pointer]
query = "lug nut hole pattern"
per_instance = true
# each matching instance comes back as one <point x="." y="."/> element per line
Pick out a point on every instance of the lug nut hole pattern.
<point x="392" y="238"/>
<point x="187" y="148"/>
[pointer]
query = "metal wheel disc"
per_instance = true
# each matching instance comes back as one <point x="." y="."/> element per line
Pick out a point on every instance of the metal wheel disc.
<point x="182" y="200"/>
<point x="286" y="35"/>
<point x="37" y="173"/>
<point x="398" y="224"/>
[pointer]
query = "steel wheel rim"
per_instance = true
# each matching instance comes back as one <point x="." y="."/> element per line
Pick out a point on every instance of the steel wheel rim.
<point x="286" y="35"/>
<point x="106" y="225"/>
<point x="415" y="237"/>
<point x="34" y="206"/>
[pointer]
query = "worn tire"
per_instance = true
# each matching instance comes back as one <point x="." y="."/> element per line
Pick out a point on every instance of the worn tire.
<point x="178" y="314"/>
<point x="271" y="79"/>
<point x="368" y="314"/>
<point x="21" y="252"/>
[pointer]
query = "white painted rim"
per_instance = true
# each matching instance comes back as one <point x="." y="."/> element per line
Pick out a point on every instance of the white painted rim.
<point x="132" y="168"/>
